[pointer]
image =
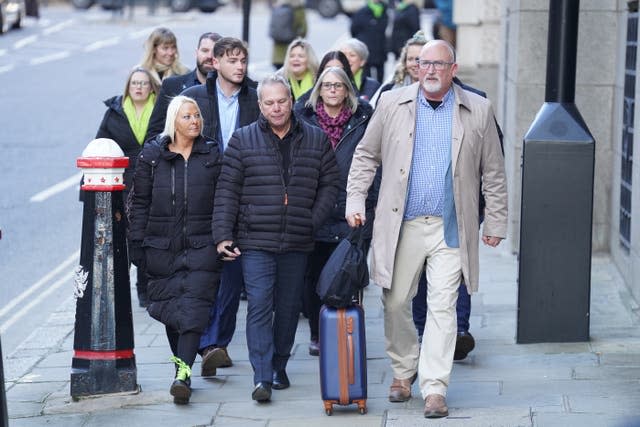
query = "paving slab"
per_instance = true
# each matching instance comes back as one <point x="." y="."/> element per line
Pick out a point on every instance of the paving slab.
<point x="476" y="417"/>
<point x="36" y="392"/>
<point x="67" y="420"/>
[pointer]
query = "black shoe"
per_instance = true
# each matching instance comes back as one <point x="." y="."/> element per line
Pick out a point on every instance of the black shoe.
<point x="262" y="392"/>
<point x="181" y="391"/>
<point x="464" y="344"/>
<point x="314" y="347"/>
<point x="280" y="380"/>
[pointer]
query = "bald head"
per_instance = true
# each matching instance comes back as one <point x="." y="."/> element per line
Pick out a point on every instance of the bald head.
<point x="437" y="68"/>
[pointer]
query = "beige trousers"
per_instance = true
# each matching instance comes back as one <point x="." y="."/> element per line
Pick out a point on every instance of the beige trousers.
<point x="422" y="239"/>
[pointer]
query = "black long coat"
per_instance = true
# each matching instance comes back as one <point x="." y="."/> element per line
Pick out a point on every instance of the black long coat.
<point x="406" y="22"/>
<point x="171" y="215"/>
<point x="335" y="227"/>
<point x="371" y="31"/>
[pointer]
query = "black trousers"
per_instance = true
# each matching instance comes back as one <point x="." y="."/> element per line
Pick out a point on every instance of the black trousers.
<point x="183" y="346"/>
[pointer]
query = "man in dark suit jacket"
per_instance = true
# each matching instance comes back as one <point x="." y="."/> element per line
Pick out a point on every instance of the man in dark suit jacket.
<point x="174" y="85"/>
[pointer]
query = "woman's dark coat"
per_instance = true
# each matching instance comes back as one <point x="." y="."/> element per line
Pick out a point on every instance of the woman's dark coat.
<point x="368" y="88"/>
<point x="406" y="22"/>
<point x="170" y="216"/>
<point x="335" y="228"/>
<point x="115" y="125"/>
<point x="255" y="208"/>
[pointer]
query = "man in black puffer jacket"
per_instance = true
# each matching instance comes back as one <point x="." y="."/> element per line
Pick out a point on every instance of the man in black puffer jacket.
<point x="278" y="185"/>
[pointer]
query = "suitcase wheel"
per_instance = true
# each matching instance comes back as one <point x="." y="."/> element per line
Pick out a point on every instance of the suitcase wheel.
<point x="328" y="408"/>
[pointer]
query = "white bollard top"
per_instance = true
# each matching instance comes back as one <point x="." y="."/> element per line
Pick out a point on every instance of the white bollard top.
<point x="103" y="163"/>
<point x="103" y="147"/>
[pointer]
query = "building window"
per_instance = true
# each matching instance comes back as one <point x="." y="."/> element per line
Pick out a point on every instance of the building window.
<point x="626" y="168"/>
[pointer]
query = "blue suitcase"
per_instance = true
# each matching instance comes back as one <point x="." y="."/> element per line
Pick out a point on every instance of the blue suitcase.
<point x="343" y="357"/>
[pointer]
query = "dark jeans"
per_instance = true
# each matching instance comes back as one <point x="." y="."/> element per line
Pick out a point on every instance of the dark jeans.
<point x="317" y="259"/>
<point x="419" y="307"/>
<point x="222" y="318"/>
<point x="274" y="284"/>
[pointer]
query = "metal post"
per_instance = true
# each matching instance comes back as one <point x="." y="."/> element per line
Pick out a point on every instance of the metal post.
<point x="4" y="415"/>
<point x="103" y="360"/>
<point x="246" y="12"/>
<point x="557" y="200"/>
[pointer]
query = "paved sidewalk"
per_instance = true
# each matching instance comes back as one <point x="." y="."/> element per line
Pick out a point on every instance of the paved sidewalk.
<point x="501" y="383"/>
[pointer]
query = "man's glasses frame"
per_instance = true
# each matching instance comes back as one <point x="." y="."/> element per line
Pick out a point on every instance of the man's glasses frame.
<point x="437" y="65"/>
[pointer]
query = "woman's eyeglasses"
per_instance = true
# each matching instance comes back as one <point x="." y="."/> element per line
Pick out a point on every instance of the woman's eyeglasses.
<point x="140" y="83"/>
<point x="336" y="85"/>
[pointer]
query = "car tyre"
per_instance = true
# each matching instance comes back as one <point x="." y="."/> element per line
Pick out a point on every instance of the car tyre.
<point x="329" y="8"/>
<point x="208" y="9"/>
<point x="82" y="4"/>
<point x="180" y="5"/>
<point x="16" y="25"/>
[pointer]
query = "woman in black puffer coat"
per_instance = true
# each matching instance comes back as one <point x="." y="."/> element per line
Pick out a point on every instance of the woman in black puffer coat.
<point x="170" y="232"/>
<point x="344" y="118"/>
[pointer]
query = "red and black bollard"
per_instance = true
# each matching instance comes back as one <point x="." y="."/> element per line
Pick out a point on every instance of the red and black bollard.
<point x="103" y="360"/>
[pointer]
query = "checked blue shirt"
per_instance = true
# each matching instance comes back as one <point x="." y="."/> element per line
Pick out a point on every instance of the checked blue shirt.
<point x="431" y="158"/>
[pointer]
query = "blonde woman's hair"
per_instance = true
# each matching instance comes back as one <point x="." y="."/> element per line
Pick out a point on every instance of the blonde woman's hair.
<point x="312" y="59"/>
<point x="351" y="100"/>
<point x="172" y="115"/>
<point x="158" y="37"/>
<point x="400" y="73"/>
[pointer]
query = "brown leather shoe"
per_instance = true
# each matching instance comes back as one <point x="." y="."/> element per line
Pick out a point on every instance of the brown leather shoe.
<point x="400" y="390"/>
<point x="435" y="406"/>
<point x="212" y="358"/>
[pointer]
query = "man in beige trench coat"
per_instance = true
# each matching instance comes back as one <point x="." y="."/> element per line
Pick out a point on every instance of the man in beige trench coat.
<point x="438" y="144"/>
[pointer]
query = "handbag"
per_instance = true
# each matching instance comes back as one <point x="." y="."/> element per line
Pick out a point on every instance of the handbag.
<point x="345" y="272"/>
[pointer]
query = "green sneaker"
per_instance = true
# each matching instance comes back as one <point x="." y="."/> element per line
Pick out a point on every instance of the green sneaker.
<point x="181" y="387"/>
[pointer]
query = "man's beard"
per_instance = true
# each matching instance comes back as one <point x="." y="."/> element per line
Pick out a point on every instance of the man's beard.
<point x="205" y="69"/>
<point x="430" y="86"/>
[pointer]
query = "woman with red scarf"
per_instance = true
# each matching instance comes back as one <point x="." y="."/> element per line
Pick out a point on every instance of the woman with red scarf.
<point x="334" y="107"/>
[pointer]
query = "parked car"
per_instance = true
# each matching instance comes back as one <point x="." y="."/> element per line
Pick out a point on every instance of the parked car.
<point x="330" y="8"/>
<point x="175" y="5"/>
<point x="11" y="14"/>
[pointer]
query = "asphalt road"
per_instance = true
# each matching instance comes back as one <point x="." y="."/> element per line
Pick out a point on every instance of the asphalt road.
<point x="54" y="74"/>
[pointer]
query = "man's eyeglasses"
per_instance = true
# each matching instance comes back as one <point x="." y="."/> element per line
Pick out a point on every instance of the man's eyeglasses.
<point x="140" y="83"/>
<point x="437" y="65"/>
<point x="336" y="85"/>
